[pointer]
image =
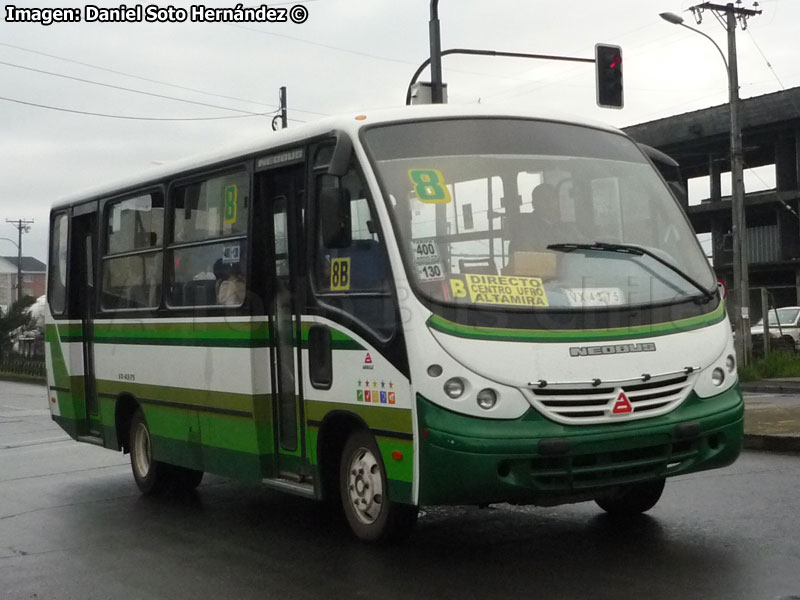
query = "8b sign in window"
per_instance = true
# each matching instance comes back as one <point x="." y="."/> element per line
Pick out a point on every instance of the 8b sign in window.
<point x="340" y="274"/>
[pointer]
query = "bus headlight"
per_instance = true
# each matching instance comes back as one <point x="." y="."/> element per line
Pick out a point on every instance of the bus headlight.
<point x="730" y="363"/>
<point x="454" y="387"/>
<point x="487" y="399"/>
<point x="717" y="376"/>
<point x="435" y="370"/>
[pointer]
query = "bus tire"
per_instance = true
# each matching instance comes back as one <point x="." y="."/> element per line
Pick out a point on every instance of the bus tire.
<point x="152" y="476"/>
<point x="372" y="516"/>
<point x="632" y="499"/>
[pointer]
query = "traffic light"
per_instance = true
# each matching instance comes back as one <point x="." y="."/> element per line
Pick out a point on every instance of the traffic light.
<point x="608" y="62"/>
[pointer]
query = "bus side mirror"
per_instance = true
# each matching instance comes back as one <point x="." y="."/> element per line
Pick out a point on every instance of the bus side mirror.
<point x="334" y="217"/>
<point x="342" y="155"/>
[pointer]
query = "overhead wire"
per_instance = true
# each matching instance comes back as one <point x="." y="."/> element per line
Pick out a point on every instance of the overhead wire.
<point x="126" y="89"/>
<point x="136" y="118"/>
<point x="149" y="80"/>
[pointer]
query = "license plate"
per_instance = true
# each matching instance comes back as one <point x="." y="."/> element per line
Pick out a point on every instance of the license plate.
<point x="594" y="296"/>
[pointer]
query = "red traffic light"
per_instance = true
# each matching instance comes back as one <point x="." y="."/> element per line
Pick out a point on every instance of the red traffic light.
<point x="608" y="64"/>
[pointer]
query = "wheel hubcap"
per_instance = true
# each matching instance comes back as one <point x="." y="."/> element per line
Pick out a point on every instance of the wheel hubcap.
<point x="365" y="486"/>
<point x="141" y="450"/>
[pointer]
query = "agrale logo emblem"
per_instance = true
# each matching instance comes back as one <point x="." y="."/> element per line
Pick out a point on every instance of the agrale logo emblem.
<point x="367" y="362"/>
<point x="622" y="406"/>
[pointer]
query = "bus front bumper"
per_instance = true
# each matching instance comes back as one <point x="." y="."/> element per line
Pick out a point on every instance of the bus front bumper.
<point x="531" y="460"/>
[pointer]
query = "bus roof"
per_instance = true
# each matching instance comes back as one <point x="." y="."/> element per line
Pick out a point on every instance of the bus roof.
<point x="349" y="123"/>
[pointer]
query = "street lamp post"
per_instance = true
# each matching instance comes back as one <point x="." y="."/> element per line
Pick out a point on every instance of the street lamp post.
<point x="741" y="279"/>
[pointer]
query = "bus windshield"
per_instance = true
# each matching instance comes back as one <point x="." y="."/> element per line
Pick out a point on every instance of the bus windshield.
<point x="527" y="215"/>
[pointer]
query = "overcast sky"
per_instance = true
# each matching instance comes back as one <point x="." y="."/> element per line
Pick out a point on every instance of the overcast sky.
<point x="348" y="56"/>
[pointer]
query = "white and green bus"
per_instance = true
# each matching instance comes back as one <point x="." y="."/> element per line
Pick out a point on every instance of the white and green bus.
<point x="416" y="307"/>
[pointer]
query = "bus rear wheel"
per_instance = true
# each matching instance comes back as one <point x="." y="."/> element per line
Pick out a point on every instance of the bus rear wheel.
<point x="151" y="476"/>
<point x="369" y="511"/>
<point x="632" y="499"/>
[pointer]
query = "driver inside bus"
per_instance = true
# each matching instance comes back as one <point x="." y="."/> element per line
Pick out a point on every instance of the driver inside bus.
<point x="548" y="228"/>
<point x="528" y="253"/>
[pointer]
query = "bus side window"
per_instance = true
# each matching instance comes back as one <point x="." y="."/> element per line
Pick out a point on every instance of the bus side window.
<point x="57" y="284"/>
<point x="209" y="224"/>
<point x="132" y="264"/>
<point x="355" y="278"/>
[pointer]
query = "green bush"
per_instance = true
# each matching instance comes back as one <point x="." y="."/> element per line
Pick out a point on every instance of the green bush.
<point x="776" y="364"/>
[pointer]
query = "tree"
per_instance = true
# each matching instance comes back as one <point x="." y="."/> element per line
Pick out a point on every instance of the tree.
<point x="17" y="319"/>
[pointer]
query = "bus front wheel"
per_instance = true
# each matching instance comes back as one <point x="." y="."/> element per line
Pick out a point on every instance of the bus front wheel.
<point x="632" y="499"/>
<point x="371" y="514"/>
<point x="151" y="475"/>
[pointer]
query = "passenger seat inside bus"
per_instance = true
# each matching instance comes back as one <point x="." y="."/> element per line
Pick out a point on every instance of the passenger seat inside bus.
<point x="199" y="292"/>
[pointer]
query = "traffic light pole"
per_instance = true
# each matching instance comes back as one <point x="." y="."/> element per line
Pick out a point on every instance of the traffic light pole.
<point x="436" y="54"/>
<point x="475" y="52"/>
<point x="437" y="85"/>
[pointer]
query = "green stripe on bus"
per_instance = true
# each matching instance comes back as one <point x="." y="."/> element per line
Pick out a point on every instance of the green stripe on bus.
<point x="248" y="334"/>
<point x="59" y="364"/>
<point x="206" y="430"/>
<point x="193" y="399"/>
<point x="339" y="339"/>
<point x="567" y="335"/>
<point x="223" y="461"/>
<point x="397" y="420"/>
<point x="67" y="332"/>
<point x="236" y="334"/>
<point x="194" y="341"/>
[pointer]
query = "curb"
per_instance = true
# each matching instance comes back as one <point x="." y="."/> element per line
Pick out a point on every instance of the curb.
<point x="774" y="388"/>
<point x="773" y="443"/>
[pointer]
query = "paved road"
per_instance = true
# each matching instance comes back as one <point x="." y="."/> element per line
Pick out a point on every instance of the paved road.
<point x="72" y="525"/>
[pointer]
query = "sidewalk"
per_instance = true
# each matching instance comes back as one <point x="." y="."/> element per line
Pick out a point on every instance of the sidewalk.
<point x="772" y="423"/>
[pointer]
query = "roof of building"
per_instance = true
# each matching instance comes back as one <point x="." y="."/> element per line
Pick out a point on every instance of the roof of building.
<point x="756" y="111"/>
<point x="693" y="137"/>
<point x="29" y="264"/>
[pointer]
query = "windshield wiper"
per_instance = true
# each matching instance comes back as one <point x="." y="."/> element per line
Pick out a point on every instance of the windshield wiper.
<point x="636" y="251"/>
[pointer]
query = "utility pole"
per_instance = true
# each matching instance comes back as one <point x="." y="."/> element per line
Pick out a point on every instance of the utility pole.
<point x="283" y="111"/>
<point x="728" y="15"/>
<point x="23" y="226"/>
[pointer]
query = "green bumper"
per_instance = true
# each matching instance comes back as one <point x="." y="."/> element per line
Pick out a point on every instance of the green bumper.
<point x="532" y="460"/>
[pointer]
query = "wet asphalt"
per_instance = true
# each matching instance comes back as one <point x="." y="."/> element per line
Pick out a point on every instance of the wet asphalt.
<point x="73" y="525"/>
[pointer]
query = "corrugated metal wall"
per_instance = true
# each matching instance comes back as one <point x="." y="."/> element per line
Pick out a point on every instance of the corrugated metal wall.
<point x="763" y="244"/>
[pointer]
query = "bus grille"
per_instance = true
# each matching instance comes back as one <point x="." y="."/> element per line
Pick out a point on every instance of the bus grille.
<point x="589" y="404"/>
<point x="610" y="467"/>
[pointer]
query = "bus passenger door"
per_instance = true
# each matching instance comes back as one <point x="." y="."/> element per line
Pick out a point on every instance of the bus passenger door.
<point x="82" y="304"/>
<point x="283" y="192"/>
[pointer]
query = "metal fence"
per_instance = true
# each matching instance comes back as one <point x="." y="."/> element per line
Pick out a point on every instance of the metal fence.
<point x="20" y="366"/>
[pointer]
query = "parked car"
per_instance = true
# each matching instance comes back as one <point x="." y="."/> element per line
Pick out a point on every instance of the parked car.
<point x="784" y="329"/>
